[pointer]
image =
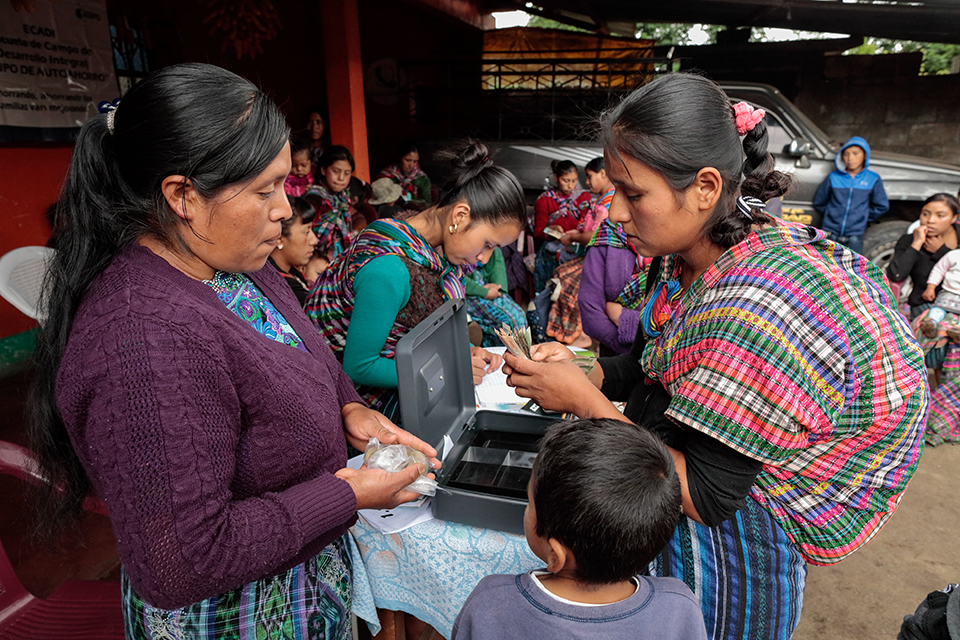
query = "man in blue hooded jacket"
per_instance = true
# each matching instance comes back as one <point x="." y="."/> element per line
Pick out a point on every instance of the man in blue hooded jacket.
<point x="851" y="196"/>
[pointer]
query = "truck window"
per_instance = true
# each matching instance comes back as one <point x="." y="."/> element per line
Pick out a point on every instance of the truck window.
<point x="780" y="138"/>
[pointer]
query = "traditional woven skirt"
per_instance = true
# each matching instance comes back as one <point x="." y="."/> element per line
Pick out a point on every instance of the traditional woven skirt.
<point x="310" y="601"/>
<point x="746" y="572"/>
<point x="563" y="322"/>
<point x="943" y="422"/>
<point x="490" y="314"/>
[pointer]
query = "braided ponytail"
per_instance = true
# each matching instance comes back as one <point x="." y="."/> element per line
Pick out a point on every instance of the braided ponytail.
<point x="194" y="120"/>
<point x="681" y="123"/>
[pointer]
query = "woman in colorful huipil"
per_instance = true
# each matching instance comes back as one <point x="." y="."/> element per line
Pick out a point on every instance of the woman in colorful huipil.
<point x="415" y="185"/>
<point x="171" y="368"/>
<point x="563" y="320"/>
<point x="331" y="199"/>
<point x="398" y="271"/>
<point x="614" y="276"/>
<point x="559" y="210"/>
<point x="770" y="360"/>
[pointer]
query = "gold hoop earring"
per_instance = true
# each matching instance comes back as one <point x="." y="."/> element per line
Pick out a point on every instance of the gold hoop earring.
<point x="452" y="228"/>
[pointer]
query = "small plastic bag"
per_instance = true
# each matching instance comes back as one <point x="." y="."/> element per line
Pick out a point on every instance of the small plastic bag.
<point x="395" y="457"/>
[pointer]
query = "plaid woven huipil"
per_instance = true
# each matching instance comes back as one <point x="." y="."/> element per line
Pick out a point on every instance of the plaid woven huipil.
<point x="789" y="350"/>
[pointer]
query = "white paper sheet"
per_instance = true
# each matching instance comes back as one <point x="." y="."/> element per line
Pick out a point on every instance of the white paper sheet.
<point x="493" y="389"/>
<point x="399" y="518"/>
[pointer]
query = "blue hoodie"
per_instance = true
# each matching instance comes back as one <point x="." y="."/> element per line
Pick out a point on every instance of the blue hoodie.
<point x="849" y="202"/>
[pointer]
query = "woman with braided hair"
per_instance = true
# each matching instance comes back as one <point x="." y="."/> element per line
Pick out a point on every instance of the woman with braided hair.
<point x="771" y="361"/>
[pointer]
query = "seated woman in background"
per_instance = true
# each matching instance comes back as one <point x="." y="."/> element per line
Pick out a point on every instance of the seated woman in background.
<point x="560" y="209"/>
<point x="563" y="320"/>
<point x="614" y="275"/>
<point x="915" y="256"/>
<point x="314" y="133"/>
<point x="487" y="300"/>
<point x="330" y="196"/>
<point x="917" y="252"/>
<point x="415" y="185"/>
<point x="295" y="248"/>
<point x="398" y="271"/>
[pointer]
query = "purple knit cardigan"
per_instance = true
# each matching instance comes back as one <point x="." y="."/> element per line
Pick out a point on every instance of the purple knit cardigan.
<point x="213" y="446"/>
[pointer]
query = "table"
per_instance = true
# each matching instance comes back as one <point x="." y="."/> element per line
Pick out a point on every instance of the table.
<point x="429" y="569"/>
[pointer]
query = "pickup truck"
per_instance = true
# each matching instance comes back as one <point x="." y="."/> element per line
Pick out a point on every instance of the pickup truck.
<point x="799" y="147"/>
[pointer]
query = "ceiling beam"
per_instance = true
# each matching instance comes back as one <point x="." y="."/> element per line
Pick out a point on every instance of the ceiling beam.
<point x="923" y="21"/>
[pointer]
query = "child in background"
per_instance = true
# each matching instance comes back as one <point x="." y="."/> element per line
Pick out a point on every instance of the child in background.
<point x="851" y="196"/>
<point x="295" y="248"/>
<point x="556" y="211"/>
<point x="301" y="168"/>
<point x="316" y="265"/>
<point x="936" y="326"/>
<point x="947" y="271"/>
<point x="328" y="195"/>
<point x="487" y="302"/>
<point x="385" y="197"/>
<point x="614" y="276"/>
<point x="604" y="499"/>
<point x="361" y="213"/>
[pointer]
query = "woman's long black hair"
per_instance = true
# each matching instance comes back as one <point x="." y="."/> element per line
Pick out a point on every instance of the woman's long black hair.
<point x="493" y="193"/>
<point x="196" y="120"/>
<point x="682" y="123"/>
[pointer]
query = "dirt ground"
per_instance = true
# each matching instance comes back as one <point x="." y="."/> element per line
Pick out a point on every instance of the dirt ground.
<point x="866" y="596"/>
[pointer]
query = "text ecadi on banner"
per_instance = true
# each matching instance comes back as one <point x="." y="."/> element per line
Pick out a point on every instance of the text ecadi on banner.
<point x="56" y="62"/>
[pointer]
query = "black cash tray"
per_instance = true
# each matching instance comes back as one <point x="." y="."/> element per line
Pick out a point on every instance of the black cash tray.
<point x="483" y="481"/>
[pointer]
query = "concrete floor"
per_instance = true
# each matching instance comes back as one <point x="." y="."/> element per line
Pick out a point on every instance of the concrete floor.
<point x="866" y="596"/>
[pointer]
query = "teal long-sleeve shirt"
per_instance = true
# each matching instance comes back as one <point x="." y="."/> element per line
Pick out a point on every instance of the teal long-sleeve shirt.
<point x="494" y="272"/>
<point x="381" y="289"/>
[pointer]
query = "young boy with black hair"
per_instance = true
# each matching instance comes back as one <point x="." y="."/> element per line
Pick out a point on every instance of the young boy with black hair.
<point x="604" y="499"/>
<point x="851" y="196"/>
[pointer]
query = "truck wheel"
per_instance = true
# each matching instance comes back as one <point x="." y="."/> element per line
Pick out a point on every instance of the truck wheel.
<point x="880" y="240"/>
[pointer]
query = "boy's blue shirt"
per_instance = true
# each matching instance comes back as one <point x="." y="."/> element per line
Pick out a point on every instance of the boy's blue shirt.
<point x="849" y="202"/>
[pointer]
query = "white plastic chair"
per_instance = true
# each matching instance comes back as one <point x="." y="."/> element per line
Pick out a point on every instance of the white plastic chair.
<point x="21" y="277"/>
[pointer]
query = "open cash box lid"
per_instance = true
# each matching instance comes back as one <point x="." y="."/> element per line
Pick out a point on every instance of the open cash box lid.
<point x="435" y="376"/>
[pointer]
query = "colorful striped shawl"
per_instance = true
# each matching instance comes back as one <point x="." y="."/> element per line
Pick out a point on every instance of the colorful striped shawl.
<point x="611" y="234"/>
<point x="606" y="199"/>
<point x="330" y="304"/>
<point x="573" y="205"/>
<point x="789" y="349"/>
<point x="332" y="225"/>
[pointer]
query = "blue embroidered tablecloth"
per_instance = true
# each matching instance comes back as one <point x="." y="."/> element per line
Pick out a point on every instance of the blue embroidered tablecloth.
<point x="429" y="569"/>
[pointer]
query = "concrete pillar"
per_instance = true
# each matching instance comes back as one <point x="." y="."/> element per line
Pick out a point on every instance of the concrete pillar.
<point x="341" y="46"/>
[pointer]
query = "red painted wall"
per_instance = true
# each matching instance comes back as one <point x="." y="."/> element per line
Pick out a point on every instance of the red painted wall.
<point x="30" y="183"/>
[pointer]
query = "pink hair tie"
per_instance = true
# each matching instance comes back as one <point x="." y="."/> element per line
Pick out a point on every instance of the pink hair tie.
<point x="746" y="117"/>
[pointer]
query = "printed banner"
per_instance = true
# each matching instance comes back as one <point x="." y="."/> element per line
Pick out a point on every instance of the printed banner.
<point x="56" y="62"/>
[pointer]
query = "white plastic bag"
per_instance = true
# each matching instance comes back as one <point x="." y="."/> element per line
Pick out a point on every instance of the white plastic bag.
<point x="395" y="457"/>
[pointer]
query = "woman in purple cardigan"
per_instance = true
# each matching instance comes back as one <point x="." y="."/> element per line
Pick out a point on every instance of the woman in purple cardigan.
<point x="180" y="381"/>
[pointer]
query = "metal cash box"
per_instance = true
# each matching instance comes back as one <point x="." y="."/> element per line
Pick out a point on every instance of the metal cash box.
<point x="484" y="478"/>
